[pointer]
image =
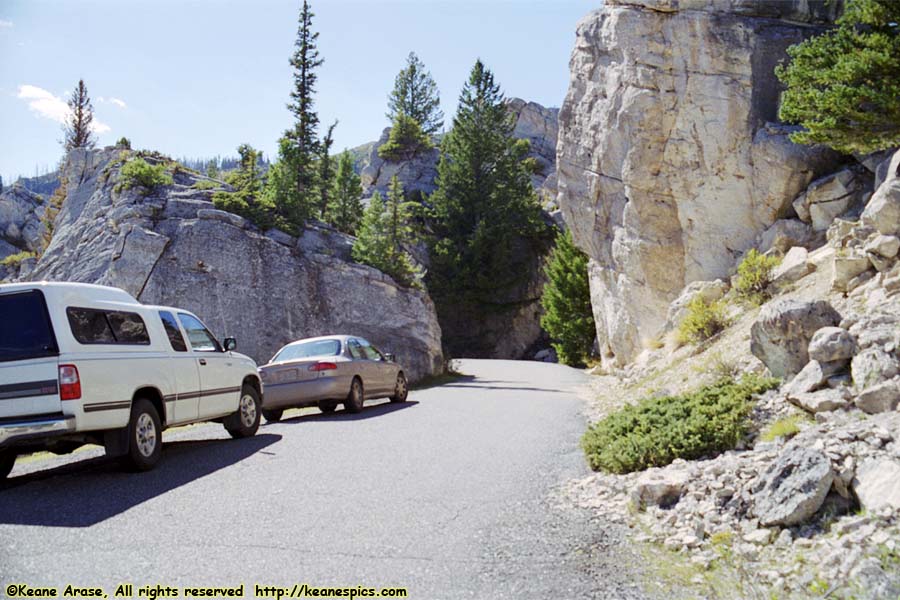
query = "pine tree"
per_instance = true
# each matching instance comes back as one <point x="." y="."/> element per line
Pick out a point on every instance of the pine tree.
<point x="485" y="209"/>
<point x="345" y="209"/>
<point x="416" y="95"/>
<point x="568" y="317"/>
<point x="326" y="172"/>
<point x="406" y="140"/>
<point x="78" y="132"/>
<point x="385" y="232"/>
<point x="248" y="198"/>
<point x="843" y="86"/>
<point x="292" y="186"/>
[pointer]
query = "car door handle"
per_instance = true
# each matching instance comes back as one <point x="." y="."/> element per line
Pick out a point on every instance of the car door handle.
<point x="203" y="361"/>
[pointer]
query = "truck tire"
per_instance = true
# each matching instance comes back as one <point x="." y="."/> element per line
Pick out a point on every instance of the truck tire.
<point x="7" y="460"/>
<point x="144" y="436"/>
<point x="245" y="421"/>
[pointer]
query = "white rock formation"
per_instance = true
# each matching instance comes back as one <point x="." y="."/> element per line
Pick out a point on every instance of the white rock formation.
<point x="669" y="165"/>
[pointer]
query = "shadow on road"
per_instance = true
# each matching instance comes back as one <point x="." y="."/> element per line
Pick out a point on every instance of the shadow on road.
<point x="369" y="411"/>
<point x="88" y="492"/>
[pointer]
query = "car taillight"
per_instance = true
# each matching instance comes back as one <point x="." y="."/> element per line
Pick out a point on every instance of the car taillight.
<point x="69" y="383"/>
<point x="323" y="366"/>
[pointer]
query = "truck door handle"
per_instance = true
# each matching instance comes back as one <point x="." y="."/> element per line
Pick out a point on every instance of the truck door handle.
<point x="203" y="361"/>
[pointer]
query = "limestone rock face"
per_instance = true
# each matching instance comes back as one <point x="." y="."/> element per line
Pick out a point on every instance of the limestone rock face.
<point x="877" y="484"/>
<point x="669" y="164"/>
<point x="417" y="174"/>
<point x="883" y="210"/>
<point x="20" y="220"/>
<point x="540" y="126"/>
<point x="172" y="247"/>
<point x="794" y="487"/>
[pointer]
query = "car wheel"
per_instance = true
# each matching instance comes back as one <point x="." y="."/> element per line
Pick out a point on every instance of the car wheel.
<point x="328" y="407"/>
<point x="354" y="401"/>
<point x="273" y="415"/>
<point x="401" y="389"/>
<point x="144" y="436"/>
<point x="245" y="421"/>
<point x="7" y="460"/>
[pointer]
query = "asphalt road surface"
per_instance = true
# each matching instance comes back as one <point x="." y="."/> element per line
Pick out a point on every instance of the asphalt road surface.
<point x="451" y="495"/>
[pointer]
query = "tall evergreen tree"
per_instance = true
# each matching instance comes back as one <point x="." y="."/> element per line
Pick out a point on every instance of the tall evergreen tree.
<point x="326" y="172"/>
<point x="568" y="316"/>
<point x="292" y="185"/>
<point x="843" y="86"/>
<point x="345" y="209"/>
<point x="416" y="95"/>
<point x="486" y="216"/>
<point x="81" y="116"/>
<point x="248" y="198"/>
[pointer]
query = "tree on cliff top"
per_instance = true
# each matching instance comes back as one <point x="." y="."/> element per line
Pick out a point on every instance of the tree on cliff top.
<point x="292" y="184"/>
<point x="416" y="95"/>
<point x="485" y="210"/>
<point x="568" y="316"/>
<point x="81" y="115"/>
<point x="843" y="86"/>
<point x="405" y="141"/>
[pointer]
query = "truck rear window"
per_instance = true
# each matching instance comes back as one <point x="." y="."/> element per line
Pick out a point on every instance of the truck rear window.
<point x="93" y="326"/>
<point x="25" y="329"/>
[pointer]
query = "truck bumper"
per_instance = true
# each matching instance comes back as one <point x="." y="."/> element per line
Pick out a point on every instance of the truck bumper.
<point x="33" y="428"/>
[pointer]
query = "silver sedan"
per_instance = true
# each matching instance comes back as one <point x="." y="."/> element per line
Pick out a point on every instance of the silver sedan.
<point x="327" y="371"/>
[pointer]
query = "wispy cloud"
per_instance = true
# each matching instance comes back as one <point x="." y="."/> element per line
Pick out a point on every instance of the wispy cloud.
<point x="50" y="106"/>
<point x="117" y="102"/>
<point x="4" y="24"/>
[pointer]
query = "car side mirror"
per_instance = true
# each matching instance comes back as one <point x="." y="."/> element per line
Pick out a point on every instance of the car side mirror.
<point x="229" y="344"/>
<point x="390" y="357"/>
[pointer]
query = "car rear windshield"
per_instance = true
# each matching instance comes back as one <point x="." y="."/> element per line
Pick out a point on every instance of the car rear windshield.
<point x="308" y="350"/>
<point x="25" y="329"/>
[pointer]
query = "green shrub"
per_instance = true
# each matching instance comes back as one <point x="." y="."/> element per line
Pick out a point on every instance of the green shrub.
<point x="138" y="172"/>
<point x="782" y="428"/>
<point x="656" y="431"/>
<point x="205" y="184"/>
<point x="14" y="260"/>
<point x="703" y="320"/>
<point x="124" y="142"/>
<point x="754" y="277"/>
<point x="405" y="141"/>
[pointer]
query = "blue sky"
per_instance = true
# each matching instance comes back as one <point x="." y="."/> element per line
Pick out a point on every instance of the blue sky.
<point x="198" y="77"/>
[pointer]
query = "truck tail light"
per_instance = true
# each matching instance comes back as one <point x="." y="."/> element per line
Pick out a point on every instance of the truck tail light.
<point x="69" y="383"/>
<point x="323" y="366"/>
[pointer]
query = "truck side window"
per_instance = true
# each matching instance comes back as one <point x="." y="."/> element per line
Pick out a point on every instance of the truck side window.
<point x="200" y="337"/>
<point x="93" y="326"/>
<point x="176" y="340"/>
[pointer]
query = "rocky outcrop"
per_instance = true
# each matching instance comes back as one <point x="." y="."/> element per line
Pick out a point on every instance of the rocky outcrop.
<point x="670" y="163"/>
<point x="171" y="246"/>
<point x="780" y="337"/>
<point x="20" y="220"/>
<point x="794" y="487"/>
<point x="535" y="123"/>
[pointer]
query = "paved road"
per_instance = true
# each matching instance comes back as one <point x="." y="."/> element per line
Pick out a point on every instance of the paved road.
<point x="451" y="495"/>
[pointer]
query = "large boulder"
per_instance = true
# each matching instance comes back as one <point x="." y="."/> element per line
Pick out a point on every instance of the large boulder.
<point x="873" y="366"/>
<point x="172" y="247"/>
<point x="833" y="195"/>
<point x="883" y="210"/>
<point x="879" y="398"/>
<point x="781" y="335"/>
<point x="877" y="484"/>
<point x="793" y="487"/>
<point x="831" y="344"/>
<point x="670" y="164"/>
<point x="709" y="291"/>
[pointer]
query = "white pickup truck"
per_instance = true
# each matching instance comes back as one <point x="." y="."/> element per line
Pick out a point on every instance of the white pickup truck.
<point x="83" y="363"/>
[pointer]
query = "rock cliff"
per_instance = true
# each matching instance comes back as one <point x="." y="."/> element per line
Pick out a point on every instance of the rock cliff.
<point x="670" y="159"/>
<point x="171" y="246"/>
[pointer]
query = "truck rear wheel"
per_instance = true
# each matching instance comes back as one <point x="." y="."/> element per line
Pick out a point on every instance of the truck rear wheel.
<point x="144" y="436"/>
<point x="273" y="415"/>
<point x="7" y="460"/>
<point x="245" y="421"/>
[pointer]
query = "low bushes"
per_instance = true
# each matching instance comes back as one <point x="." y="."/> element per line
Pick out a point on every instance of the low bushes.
<point x="656" y="431"/>
<point x="138" y="172"/>
<point x="754" y="277"/>
<point x="703" y="320"/>
<point x="14" y="260"/>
